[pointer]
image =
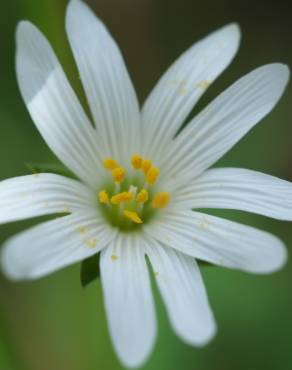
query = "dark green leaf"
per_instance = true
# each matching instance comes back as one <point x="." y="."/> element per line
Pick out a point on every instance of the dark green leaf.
<point x="49" y="168"/>
<point x="89" y="270"/>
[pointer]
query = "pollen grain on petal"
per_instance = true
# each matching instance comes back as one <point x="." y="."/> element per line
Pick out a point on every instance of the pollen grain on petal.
<point x="160" y="200"/>
<point x="67" y="209"/>
<point x="82" y="230"/>
<point x="91" y="243"/>
<point x="114" y="257"/>
<point x="133" y="216"/>
<point x="204" y="84"/>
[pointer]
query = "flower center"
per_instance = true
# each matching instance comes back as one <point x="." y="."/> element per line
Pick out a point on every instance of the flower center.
<point x="128" y="200"/>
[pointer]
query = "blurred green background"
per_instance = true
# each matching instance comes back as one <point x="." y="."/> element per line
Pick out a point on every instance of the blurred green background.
<point x="53" y="323"/>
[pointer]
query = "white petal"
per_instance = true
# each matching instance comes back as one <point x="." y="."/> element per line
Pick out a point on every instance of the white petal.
<point x="236" y="188"/>
<point x="229" y="117"/>
<point x="182" y="288"/>
<point x="106" y="81"/>
<point x="184" y="83"/>
<point x="220" y="241"/>
<point x="128" y="299"/>
<point x="53" y="105"/>
<point x="55" y="244"/>
<point x="41" y="194"/>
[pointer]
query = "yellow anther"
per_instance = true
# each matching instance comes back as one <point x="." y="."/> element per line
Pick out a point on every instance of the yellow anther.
<point x="110" y="164"/>
<point x="133" y="216"/>
<point x="160" y="200"/>
<point x="118" y="174"/>
<point x="121" y="197"/>
<point x="146" y="165"/>
<point x="103" y="197"/>
<point x="136" y="161"/>
<point x="152" y="175"/>
<point x="142" y="196"/>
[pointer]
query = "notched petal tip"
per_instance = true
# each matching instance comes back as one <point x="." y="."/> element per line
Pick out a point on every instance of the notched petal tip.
<point x="233" y="28"/>
<point x="230" y="34"/>
<point x="272" y="258"/>
<point x="278" y="74"/>
<point x="79" y="14"/>
<point x="209" y="335"/>
<point x="277" y="258"/>
<point x="35" y="60"/>
<point x="284" y="72"/>
<point x="24" y="26"/>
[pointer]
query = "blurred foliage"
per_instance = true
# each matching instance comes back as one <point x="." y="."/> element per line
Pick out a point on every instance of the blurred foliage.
<point x="53" y="323"/>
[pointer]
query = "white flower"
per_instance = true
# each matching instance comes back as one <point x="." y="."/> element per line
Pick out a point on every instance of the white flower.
<point x="171" y="168"/>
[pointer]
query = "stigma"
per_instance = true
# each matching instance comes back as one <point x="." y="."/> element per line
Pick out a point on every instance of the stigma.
<point x="132" y="197"/>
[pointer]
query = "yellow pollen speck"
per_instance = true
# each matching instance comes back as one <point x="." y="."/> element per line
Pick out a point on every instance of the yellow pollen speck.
<point x="133" y="216"/>
<point x="114" y="257"/>
<point x="160" y="200"/>
<point x="152" y="175"/>
<point x="103" y="197"/>
<point x="118" y="174"/>
<point x="136" y="161"/>
<point x="146" y="165"/>
<point x="91" y="243"/>
<point x="82" y="229"/>
<point x="110" y="164"/>
<point x="204" y="224"/>
<point x="204" y="84"/>
<point x="142" y="196"/>
<point x="156" y="273"/>
<point x="182" y="90"/>
<point x="67" y="209"/>
<point x="121" y="197"/>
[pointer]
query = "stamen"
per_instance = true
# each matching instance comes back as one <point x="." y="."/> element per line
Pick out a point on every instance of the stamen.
<point x="121" y="197"/>
<point x="142" y="196"/>
<point x="160" y="200"/>
<point x="118" y="174"/>
<point x="152" y="175"/>
<point x="133" y="216"/>
<point x="103" y="197"/>
<point x="110" y="164"/>
<point x="146" y="165"/>
<point x="136" y="161"/>
<point x="128" y="200"/>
